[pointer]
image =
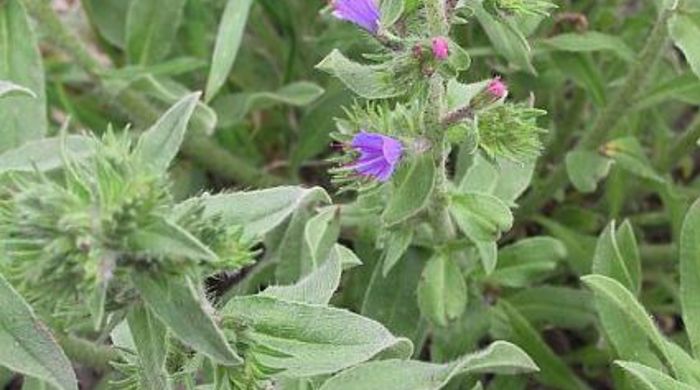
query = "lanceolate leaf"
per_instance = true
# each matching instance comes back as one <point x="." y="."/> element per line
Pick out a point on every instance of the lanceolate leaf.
<point x="499" y="358"/>
<point x="150" y="342"/>
<point x="159" y="145"/>
<point x="46" y="154"/>
<point x="257" y="211"/>
<point x="308" y="340"/>
<point x="610" y="261"/>
<point x="690" y="275"/>
<point x="368" y="81"/>
<point x="164" y="238"/>
<point x="480" y="216"/>
<point x="228" y="41"/>
<point x="651" y="378"/>
<point x="187" y="314"/>
<point x="685" y="28"/>
<point x="23" y="116"/>
<point x="27" y="345"/>
<point x="442" y="291"/>
<point x="412" y="192"/>
<point x="615" y="295"/>
<point x="151" y="27"/>
<point x="317" y="287"/>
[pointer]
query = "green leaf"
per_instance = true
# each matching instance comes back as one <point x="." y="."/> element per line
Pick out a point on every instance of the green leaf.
<point x="180" y="305"/>
<point x="391" y="299"/>
<point x="396" y="245"/>
<point x="321" y="233"/>
<point x="46" y="154"/>
<point x="628" y="153"/>
<point x="499" y="358"/>
<point x="165" y="238"/>
<point x="511" y="325"/>
<point x="412" y="191"/>
<point x="586" y="169"/>
<point x="167" y="90"/>
<point x="502" y="178"/>
<point x="151" y="29"/>
<point x="555" y="306"/>
<point x="308" y="340"/>
<point x="581" y="68"/>
<point x="506" y="40"/>
<point x="233" y="108"/>
<point x="589" y="41"/>
<point x="442" y="291"/>
<point x="527" y="261"/>
<point x="480" y="216"/>
<point x="257" y="211"/>
<point x="651" y="379"/>
<point x="617" y="256"/>
<point x="690" y="276"/>
<point x="316" y="288"/>
<point x="9" y="89"/>
<point x="109" y="18"/>
<point x="158" y="146"/>
<point x="27" y="345"/>
<point x="24" y="117"/>
<point x="390" y="11"/>
<point x="150" y="341"/>
<point x="611" y="292"/>
<point x="228" y="41"/>
<point x="685" y="29"/>
<point x="368" y="81"/>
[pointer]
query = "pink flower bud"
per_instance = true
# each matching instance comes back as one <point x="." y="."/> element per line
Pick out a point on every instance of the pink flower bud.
<point x="441" y="48"/>
<point x="497" y="88"/>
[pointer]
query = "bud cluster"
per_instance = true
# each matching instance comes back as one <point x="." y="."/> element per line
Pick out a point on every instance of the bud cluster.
<point x="81" y="233"/>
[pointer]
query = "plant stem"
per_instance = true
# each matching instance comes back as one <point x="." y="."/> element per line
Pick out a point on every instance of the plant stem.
<point x="439" y="216"/>
<point x="197" y="146"/>
<point x="611" y="115"/>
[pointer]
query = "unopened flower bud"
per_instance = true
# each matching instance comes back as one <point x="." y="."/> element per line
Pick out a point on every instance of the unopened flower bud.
<point x="441" y="48"/>
<point x="495" y="91"/>
<point x="497" y="88"/>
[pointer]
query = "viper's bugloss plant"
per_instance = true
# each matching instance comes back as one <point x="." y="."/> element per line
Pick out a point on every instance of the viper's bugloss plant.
<point x="460" y="194"/>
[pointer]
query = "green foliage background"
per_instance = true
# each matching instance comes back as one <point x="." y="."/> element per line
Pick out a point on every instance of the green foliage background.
<point x="580" y="269"/>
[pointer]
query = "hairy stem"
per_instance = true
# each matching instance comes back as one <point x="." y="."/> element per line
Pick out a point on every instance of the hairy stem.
<point x="439" y="215"/>
<point x="197" y="146"/>
<point x="610" y="116"/>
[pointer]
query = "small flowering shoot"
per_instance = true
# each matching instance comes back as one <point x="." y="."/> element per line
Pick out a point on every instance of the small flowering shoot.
<point x="367" y="195"/>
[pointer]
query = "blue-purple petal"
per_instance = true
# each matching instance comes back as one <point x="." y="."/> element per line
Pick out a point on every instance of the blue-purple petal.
<point x="364" y="13"/>
<point x="379" y="155"/>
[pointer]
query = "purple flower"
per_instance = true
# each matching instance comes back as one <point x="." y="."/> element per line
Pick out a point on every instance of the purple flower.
<point x="379" y="155"/>
<point x="364" y="13"/>
<point x="441" y="48"/>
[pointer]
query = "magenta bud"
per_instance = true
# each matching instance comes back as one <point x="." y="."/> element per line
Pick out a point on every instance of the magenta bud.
<point x="497" y="88"/>
<point x="441" y="48"/>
